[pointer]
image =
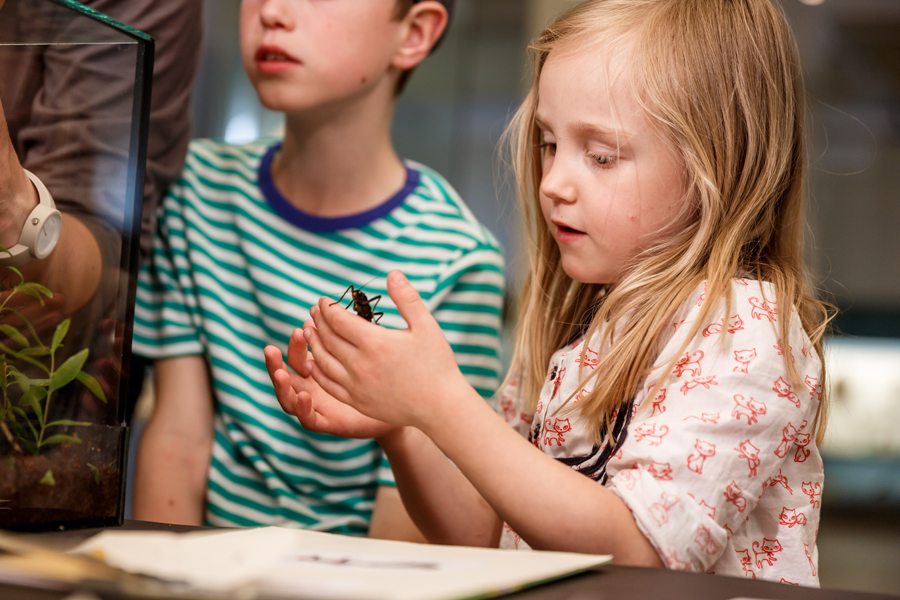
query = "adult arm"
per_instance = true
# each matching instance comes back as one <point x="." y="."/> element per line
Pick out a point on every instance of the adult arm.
<point x="66" y="118"/>
<point x="176" y="448"/>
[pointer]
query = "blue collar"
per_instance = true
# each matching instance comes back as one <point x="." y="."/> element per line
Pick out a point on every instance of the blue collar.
<point x="315" y="224"/>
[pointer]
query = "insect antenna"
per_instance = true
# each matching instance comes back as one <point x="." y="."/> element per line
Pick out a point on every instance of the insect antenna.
<point x="368" y="282"/>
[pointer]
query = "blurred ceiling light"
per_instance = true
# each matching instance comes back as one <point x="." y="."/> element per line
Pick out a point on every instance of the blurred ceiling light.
<point x="241" y="129"/>
<point x="813" y="2"/>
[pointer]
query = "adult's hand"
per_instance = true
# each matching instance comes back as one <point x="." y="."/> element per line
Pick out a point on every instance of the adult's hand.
<point x="18" y="195"/>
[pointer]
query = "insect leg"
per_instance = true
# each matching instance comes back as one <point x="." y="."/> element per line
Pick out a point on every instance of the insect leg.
<point x="377" y="317"/>
<point x="374" y="300"/>
<point x="349" y="289"/>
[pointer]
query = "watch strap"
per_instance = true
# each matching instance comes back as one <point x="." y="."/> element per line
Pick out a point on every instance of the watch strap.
<point x="26" y="249"/>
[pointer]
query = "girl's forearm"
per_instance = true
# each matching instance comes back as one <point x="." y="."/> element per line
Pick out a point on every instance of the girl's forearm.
<point x="548" y="504"/>
<point x="444" y="505"/>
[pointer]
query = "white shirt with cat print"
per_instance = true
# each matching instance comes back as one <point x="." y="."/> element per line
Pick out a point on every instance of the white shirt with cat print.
<point x="720" y="468"/>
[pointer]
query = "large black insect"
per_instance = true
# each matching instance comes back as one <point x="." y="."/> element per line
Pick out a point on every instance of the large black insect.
<point x="362" y="304"/>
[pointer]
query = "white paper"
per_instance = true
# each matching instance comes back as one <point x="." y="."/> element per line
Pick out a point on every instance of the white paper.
<point x="305" y="564"/>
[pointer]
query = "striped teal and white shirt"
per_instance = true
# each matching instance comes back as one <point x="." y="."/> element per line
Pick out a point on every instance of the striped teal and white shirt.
<point x="235" y="267"/>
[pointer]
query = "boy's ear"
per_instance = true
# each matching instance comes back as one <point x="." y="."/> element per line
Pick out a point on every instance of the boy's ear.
<point x="423" y="26"/>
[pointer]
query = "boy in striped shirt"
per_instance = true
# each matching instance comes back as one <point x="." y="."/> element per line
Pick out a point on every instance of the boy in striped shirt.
<point x="252" y="235"/>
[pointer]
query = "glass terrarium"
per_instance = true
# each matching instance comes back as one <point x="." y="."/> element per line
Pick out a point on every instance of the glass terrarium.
<point x="75" y="88"/>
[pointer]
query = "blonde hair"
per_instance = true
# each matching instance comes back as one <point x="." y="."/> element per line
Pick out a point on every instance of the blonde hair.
<point x="720" y="80"/>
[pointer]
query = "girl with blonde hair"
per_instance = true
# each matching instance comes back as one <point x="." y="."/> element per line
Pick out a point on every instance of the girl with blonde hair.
<point x="666" y="396"/>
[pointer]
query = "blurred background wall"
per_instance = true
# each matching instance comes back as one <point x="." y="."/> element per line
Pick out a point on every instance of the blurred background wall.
<point x="455" y="110"/>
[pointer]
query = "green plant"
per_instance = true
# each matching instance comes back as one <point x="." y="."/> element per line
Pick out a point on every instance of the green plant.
<point x="25" y="406"/>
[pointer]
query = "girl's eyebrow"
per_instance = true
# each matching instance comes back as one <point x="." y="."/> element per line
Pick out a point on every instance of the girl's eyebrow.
<point x="600" y="133"/>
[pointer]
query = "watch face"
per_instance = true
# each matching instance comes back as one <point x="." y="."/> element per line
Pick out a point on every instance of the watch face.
<point x="48" y="235"/>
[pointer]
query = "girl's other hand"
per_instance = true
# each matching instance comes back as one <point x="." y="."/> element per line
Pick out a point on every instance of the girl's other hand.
<point x="403" y="377"/>
<point x="299" y="395"/>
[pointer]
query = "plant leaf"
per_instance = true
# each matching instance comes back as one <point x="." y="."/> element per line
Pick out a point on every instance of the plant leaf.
<point x="48" y="479"/>
<point x="41" y="383"/>
<point x="19" y="431"/>
<point x="19" y="355"/>
<point x="91" y="384"/>
<point x="61" y="330"/>
<point x="61" y="439"/>
<point x="68" y="371"/>
<point x="23" y="381"/>
<point x="95" y="472"/>
<point x="31" y="328"/>
<point x="30" y="398"/>
<point x="30" y="291"/>
<point x="35" y="351"/>
<point x="41" y="289"/>
<point x="15" y="335"/>
<point x="17" y="272"/>
<point x="68" y="423"/>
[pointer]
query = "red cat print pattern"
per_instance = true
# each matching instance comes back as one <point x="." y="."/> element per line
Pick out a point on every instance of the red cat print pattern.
<point x="689" y="363"/>
<point x="744" y="358"/>
<point x="715" y="452"/>
<point x="697" y="460"/>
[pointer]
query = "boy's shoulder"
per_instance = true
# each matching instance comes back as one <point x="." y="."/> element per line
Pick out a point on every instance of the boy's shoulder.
<point x="218" y="154"/>
<point x="438" y="206"/>
<point x="215" y="164"/>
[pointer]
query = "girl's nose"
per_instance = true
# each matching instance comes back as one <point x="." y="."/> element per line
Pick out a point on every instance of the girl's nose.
<point x="556" y="183"/>
<point x="275" y="14"/>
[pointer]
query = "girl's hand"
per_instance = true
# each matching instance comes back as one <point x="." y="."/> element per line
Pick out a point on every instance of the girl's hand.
<point x="402" y="377"/>
<point x="301" y="396"/>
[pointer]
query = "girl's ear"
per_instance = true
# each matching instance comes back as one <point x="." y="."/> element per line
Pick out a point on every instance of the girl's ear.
<point x="423" y="27"/>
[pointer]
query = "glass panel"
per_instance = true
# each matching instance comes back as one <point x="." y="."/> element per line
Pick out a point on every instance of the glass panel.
<point x="73" y="88"/>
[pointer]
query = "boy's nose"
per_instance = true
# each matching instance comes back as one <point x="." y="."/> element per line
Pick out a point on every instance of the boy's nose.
<point x="557" y="184"/>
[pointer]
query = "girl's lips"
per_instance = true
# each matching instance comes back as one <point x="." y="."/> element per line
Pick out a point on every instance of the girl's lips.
<point x="566" y="234"/>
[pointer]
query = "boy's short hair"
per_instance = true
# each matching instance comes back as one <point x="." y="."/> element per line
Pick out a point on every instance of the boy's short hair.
<point x="402" y="9"/>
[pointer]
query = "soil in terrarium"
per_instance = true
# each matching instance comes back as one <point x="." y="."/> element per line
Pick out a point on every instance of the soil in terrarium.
<point x="67" y="483"/>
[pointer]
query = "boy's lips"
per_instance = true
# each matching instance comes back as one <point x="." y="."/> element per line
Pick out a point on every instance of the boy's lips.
<point x="273" y="59"/>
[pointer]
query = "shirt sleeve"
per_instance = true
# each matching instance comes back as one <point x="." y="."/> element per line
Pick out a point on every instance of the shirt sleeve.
<point x="385" y="474"/>
<point x="511" y="405"/>
<point x="699" y="453"/>
<point x="468" y="305"/>
<point x="166" y="314"/>
<point x="76" y="123"/>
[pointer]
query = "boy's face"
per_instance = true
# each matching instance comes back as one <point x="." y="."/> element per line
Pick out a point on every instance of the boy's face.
<point x="307" y="54"/>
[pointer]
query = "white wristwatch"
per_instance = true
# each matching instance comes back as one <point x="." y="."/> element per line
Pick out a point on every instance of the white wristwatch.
<point x="41" y="231"/>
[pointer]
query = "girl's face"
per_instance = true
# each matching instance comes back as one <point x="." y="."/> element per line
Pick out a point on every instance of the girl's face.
<point x="609" y="182"/>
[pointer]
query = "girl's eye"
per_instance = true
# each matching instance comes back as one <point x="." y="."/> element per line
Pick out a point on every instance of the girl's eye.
<point x="602" y="159"/>
<point x="548" y="147"/>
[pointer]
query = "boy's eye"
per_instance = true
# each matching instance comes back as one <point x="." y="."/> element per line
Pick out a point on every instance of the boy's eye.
<point x="602" y="160"/>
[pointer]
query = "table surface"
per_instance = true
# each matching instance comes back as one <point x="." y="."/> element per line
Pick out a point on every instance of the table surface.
<point x="604" y="583"/>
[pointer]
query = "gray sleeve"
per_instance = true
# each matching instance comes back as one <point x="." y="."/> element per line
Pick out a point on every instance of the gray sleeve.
<point x="81" y="111"/>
